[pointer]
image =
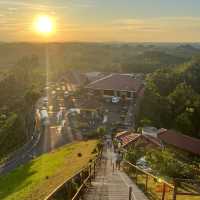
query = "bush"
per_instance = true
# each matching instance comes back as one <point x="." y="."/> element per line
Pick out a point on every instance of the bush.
<point x="134" y="155"/>
<point x="166" y="164"/>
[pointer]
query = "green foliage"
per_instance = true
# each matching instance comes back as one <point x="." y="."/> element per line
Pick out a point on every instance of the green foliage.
<point x="164" y="80"/>
<point x="21" y="89"/>
<point x="165" y="163"/>
<point x="133" y="155"/>
<point x="145" y="122"/>
<point x="183" y="123"/>
<point x="98" y="133"/>
<point x="30" y="180"/>
<point x="12" y="122"/>
<point x="182" y="97"/>
<point x="192" y="74"/>
<point x="101" y="131"/>
<point x="172" y="99"/>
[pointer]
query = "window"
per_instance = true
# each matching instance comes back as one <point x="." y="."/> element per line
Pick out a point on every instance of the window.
<point x="108" y="92"/>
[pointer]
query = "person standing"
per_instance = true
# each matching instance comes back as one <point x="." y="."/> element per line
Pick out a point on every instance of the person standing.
<point x="114" y="159"/>
<point x="119" y="158"/>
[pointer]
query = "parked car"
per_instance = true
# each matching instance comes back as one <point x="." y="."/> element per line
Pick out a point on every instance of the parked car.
<point x="115" y="99"/>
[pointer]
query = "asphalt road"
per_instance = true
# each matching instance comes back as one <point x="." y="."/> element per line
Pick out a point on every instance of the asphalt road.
<point x="50" y="138"/>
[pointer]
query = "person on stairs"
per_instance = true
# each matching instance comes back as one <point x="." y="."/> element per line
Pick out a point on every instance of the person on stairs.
<point x="119" y="160"/>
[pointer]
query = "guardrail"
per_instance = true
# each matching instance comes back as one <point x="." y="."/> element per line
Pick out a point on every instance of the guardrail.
<point x="146" y="180"/>
<point x="164" y="190"/>
<point x="73" y="187"/>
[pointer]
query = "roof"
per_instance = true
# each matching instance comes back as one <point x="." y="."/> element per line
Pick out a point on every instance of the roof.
<point x="181" y="141"/>
<point x="93" y="76"/>
<point x="153" y="140"/>
<point x="118" y="82"/>
<point x="121" y="134"/>
<point x="76" y="78"/>
<point x="127" y="139"/>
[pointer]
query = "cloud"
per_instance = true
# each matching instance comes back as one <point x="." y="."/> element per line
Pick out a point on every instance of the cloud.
<point x="157" y="24"/>
<point x="39" y="6"/>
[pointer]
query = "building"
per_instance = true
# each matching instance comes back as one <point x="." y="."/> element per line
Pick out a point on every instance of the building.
<point x="126" y="86"/>
<point x="180" y="141"/>
<point x="160" y="138"/>
<point x="132" y="140"/>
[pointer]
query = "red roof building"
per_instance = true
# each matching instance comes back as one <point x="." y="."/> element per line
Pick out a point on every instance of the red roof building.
<point x="180" y="141"/>
<point x="117" y="85"/>
<point x="129" y="138"/>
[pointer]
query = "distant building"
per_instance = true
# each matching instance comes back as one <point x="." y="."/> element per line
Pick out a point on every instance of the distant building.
<point x="160" y="138"/>
<point x="93" y="76"/>
<point x="180" y="141"/>
<point x="131" y="139"/>
<point x="117" y="85"/>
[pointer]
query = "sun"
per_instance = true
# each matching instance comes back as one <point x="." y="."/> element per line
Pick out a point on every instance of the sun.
<point x="44" y="25"/>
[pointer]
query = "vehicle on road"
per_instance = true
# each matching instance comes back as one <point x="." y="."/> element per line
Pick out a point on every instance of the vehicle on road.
<point x="115" y="99"/>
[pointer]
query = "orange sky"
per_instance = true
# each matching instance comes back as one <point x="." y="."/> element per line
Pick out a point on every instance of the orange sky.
<point x="101" y="20"/>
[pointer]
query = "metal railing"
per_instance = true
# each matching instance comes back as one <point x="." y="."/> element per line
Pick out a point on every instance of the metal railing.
<point x="145" y="181"/>
<point x="74" y="187"/>
<point x="166" y="190"/>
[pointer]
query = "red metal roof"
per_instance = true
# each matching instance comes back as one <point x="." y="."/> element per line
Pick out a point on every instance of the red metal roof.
<point x="122" y="134"/>
<point x="181" y="141"/>
<point x="127" y="139"/>
<point x="117" y="82"/>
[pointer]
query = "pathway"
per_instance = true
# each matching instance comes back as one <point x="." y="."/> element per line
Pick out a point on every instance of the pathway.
<point x="109" y="185"/>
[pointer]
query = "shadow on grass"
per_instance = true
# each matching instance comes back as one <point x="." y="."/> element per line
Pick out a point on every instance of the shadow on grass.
<point x="17" y="180"/>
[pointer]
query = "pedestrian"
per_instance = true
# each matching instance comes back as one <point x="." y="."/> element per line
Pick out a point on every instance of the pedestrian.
<point x="119" y="145"/>
<point x="113" y="160"/>
<point x="119" y="158"/>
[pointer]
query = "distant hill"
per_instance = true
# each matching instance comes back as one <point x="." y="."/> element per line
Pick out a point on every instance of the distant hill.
<point x="99" y="56"/>
<point x="148" y="61"/>
<point x="187" y="50"/>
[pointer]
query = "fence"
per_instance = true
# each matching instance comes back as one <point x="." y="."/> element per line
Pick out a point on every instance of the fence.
<point x="159" y="189"/>
<point x="153" y="186"/>
<point x="74" y="187"/>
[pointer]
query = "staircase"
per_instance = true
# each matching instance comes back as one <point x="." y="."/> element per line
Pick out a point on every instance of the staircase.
<point x="109" y="185"/>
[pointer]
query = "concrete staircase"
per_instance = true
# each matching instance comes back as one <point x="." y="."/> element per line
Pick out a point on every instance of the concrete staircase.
<point x="109" y="185"/>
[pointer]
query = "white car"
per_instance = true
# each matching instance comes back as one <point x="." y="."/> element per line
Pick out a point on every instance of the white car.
<point x="115" y="99"/>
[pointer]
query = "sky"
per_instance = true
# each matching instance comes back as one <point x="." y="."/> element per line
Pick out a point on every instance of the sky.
<point x="103" y="20"/>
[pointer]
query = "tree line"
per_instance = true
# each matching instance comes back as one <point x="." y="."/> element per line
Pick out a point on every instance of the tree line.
<point x="19" y="91"/>
<point x="172" y="99"/>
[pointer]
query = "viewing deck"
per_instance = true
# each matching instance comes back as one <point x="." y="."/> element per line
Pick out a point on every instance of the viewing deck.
<point x="109" y="185"/>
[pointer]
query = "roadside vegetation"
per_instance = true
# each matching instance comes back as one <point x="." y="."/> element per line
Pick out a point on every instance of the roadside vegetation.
<point x="20" y="89"/>
<point x="166" y="165"/>
<point x="172" y="99"/>
<point x="36" y="179"/>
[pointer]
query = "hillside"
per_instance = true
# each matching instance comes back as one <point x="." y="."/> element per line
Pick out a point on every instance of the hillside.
<point x="30" y="182"/>
<point x="172" y="99"/>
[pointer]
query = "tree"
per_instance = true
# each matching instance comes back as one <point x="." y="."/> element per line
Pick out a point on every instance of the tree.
<point x="192" y="74"/>
<point x="182" y="97"/>
<point x="165" y="80"/>
<point x="101" y="131"/>
<point x="31" y="97"/>
<point x="165" y="163"/>
<point x="133" y="155"/>
<point x="184" y="123"/>
<point x="145" y="122"/>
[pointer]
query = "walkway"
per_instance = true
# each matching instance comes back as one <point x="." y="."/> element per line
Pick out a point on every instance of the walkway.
<point x="110" y="185"/>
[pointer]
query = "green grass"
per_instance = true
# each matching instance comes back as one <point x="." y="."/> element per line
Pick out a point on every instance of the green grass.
<point x="36" y="179"/>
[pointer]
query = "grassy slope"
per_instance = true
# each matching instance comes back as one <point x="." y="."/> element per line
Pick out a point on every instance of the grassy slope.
<point x="29" y="182"/>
